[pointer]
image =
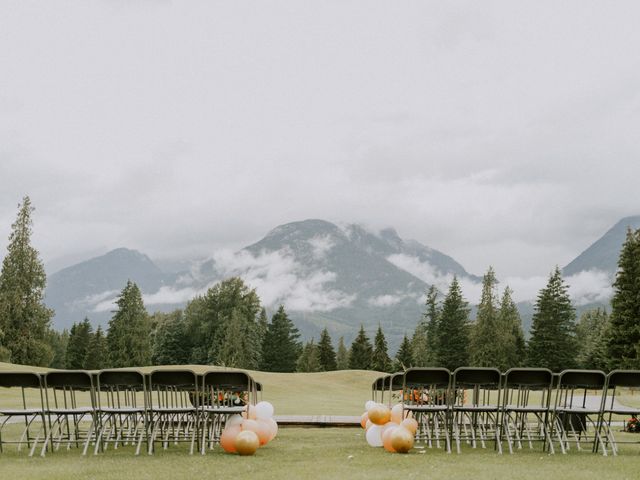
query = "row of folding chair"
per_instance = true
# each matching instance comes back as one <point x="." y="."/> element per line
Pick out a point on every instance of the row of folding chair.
<point x="522" y="407"/>
<point x="123" y="407"/>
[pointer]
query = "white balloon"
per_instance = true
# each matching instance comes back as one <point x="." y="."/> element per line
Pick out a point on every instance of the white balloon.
<point x="233" y="420"/>
<point x="370" y="404"/>
<point x="264" y="410"/>
<point x="374" y="436"/>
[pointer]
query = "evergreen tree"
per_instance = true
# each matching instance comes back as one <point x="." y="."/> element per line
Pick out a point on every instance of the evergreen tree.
<point x="486" y="342"/>
<point x="432" y="319"/>
<point x="342" y="356"/>
<point x="552" y="344"/>
<point x="360" y="356"/>
<point x="98" y="351"/>
<point x="207" y="316"/>
<point x="326" y="353"/>
<point x="281" y="346"/>
<point x="309" y="360"/>
<point x="128" y="334"/>
<point x="78" y="344"/>
<point x="170" y="346"/>
<point x="512" y="352"/>
<point x="58" y="342"/>
<point x="624" y="339"/>
<point x="380" y="360"/>
<point x="419" y="346"/>
<point x="404" y="357"/>
<point x="591" y="338"/>
<point x="24" y="319"/>
<point x="453" y="329"/>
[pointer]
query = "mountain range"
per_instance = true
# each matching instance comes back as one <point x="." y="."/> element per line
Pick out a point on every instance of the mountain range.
<point x="326" y="275"/>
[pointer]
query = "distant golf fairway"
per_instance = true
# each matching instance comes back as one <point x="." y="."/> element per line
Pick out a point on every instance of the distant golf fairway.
<point x="318" y="453"/>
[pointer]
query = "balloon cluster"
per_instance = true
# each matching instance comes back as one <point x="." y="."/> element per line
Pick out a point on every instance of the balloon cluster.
<point x="386" y="428"/>
<point x="244" y="433"/>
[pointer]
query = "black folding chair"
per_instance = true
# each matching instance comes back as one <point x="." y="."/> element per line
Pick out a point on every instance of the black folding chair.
<point x="476" y="406"/>
<point x="378" y="388"/>
<point x="121" y="409"/>
<point x="578" y="408"/>
<point x="29" y="410"/>
<point x="617" y="380"/>
<point x="526" y="400"/>
<point x="426" y="393"/>
<point x="173" y="407"/>
<point x="70" y="405"/>
<point x="223" y="393"/>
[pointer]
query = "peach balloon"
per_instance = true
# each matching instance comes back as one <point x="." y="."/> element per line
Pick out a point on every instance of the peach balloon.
<point x="228" y="438"/>
<point x="380" y="414"/>
<point x="386" y="436"/>
<point x="410" y="424"/>
<point x="363" y="419"/>
<point x="368" y="425"/>
<point x="247" y="442"/>
<point x="396" y="413"/>
<point x="273" y="426"/>
<point x="251" y="425"/>
<point x="401" y="440"/>
<point x="263" y="431"/>
<point x="250" y="412"/>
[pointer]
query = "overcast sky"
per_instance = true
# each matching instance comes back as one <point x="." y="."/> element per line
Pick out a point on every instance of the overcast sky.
<point x="503" y="133"/>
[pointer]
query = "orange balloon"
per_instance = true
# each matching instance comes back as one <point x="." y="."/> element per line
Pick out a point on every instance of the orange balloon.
<point x="247" y="442"/>
<point x="379" y="414"/>
<point x="263" y="431"/>
<point x="386" y="436"/>
<point x="363" y="419"/>
<point x="402" y="440"/>
<point x="410" y="424"/>
<point x="228" y="438"/>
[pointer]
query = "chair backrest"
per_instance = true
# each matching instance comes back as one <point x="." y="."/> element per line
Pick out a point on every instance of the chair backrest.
<point x="227" y="387"/>
<point x="427" y="386"/>
<point x="575" y="386"/>
<point x="121" y="388"/>
<point x="518" y="383"/>
<point x="476" y="386"/>
<point x="623" y="378"/>
<point x="589" y="379"/>
<point x="173" y="388"/>
<point x="20" y="379"/>
<point x="69" y="388"/>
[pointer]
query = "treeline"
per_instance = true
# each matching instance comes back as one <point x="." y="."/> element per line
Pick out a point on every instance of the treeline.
<point x="228" y="326"/>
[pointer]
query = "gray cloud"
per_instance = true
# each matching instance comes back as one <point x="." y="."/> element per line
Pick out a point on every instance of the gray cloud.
<point x="504" y="134"/>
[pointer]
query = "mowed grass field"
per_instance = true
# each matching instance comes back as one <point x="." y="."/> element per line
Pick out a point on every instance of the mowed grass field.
<point x="318" y="453"/>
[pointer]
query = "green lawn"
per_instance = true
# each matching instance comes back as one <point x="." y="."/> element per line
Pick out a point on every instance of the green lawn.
<point x="319" y="452"/>
<point x="323" y="453"/>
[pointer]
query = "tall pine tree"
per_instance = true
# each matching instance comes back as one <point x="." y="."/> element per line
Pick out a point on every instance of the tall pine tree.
<point x="453" y="329"/>
<point x="281" y="346"/>
<point x="360" y="356"/>
<point x="512" y="351"/>
<point x="342" y="356"/>
<point x="309" y="360"/>
<point x="552" y="344"/>
<point x="624" y="339"/>
<point x="380" y="360"/>
<point x="591" y="336"/>
<point x="128" y="334"/>
<point x="170" y="345"/>
<point x="78" y="345"/>
<point x="432" y="318"/>
<point x="486" y="346"/>
<point x="98" y="352"/>
<point x="404" y="356"/>
<point x="24" y="319"/>
<point x="326" y="353"/>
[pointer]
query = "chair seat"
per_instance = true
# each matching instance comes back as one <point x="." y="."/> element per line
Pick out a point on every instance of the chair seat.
<point x="475" y="408"/>
<point x="13" y="413"/>
<point x="124" y="410"/>
<point x="173" y="410"/>
<point x="527" y="409"/>
<point x="426" y="408"/>
<point x="71" y="411"/>
<point x="622" y="410"/>
<point x="574" y="410"/>
<point x="223" y="409"/>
